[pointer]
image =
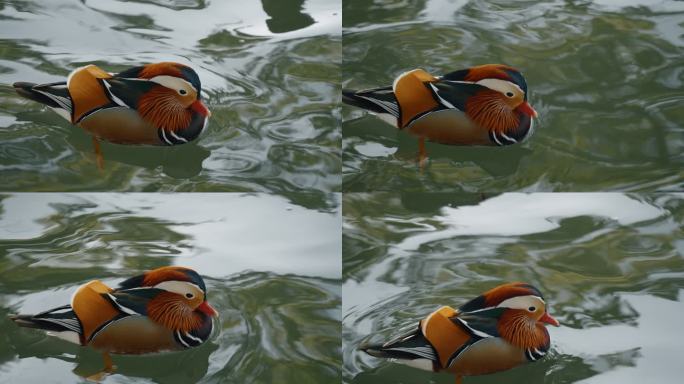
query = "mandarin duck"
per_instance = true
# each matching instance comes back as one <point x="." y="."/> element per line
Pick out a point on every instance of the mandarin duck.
<point x="482" y="105"/>
<point x="496" y="331"/>
<point x="164" y="309"/>
<point x="153" y="104"/>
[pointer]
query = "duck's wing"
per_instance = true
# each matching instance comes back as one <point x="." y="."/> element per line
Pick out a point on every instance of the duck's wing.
<point x="435" y="342"/>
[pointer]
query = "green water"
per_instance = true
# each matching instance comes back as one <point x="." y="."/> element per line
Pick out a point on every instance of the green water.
<point x="606" y="79"/>
<point x="609" y="265"/>
<point x="270" y="75"/>
<point x="277" y="289"/>
<point x="285" y="273"/>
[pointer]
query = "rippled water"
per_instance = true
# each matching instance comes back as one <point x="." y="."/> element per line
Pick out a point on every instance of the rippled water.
<point x="276" y="287"/>
<point x="606" y="77"/>
<point x="269" y="71"/>
<point x="610" y="266"/>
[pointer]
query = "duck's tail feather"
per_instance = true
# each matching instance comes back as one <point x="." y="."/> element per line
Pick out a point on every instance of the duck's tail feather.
<point x="409" y="346"/>
<point x="59" y="319"/>
<point x="54" y="95"/>
<point x="378" y="100"/>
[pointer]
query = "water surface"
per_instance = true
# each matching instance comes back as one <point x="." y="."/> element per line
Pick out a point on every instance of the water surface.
<point x="277" y="288"/>
<point x="269" y="71"/>
<point x="610" y="266"/>
<point x="606" y="77"/>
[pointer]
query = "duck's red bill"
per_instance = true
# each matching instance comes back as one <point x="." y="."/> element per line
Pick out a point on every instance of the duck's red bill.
<point x="199" y="107"/>
<point x="548" y="319"/>
<point x="527" y="109"/>
<point x="207" y="309"/>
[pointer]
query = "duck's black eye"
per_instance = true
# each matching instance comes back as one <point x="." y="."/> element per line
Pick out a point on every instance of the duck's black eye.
<point x="509" y="94"/>
<point x="183" y="92"/>
<point x="531" y="309"/>
<point x="189" y="295"/>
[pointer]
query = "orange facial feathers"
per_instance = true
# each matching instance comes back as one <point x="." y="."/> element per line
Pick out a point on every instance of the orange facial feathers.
<point x="487" y="110"/>
<point x="168" y="310"/>
<point x="160" y="108"/>
<point x="519" y="331"/>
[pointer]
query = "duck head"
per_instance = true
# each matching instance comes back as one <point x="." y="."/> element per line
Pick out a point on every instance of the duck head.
<point x="502" y="98"/>
<point x="178" y="297"/>
<point x="175" y="96"/>
<point x="520" y="311"/>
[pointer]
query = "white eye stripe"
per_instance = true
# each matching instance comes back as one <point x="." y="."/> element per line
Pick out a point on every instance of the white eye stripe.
<point x="179" y="287"/>
<point x="522" y="302"/>
<point x="172" y="82"/>
<point x="502" y="86"/>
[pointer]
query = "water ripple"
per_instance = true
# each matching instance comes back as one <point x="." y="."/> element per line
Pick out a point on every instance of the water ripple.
<point x="605" y="262"/>
<point x="597" y="74"/>
<point x="262" y="69"/>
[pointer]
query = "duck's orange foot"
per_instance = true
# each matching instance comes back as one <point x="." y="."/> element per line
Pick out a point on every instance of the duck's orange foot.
<point x="108" y="369"/>
<point x="422" y="154"/>
<point x="98" y="153"/>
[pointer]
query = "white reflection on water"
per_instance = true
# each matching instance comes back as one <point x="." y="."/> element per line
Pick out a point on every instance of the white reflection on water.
<point x="228" y="233"/>
<point x="371" y="149"/>
<point x="656" y="337"/>
<point x="515" y="214"/>
<point x="442" y="10"/>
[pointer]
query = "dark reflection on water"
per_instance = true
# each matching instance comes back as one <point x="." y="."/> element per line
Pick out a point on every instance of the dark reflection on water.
<point x="286" y="15"/>
<point x="610" y="266"/>
<point x="605" y="77"/>
<point x="270" y="75"/>
<point x="277" y="289"/>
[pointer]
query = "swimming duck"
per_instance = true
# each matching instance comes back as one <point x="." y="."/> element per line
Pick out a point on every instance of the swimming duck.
<point x="482" y="105"/>
<point x="163" y="309"/>
<point x="153" y="104"/>
<point x="498" y="330"/>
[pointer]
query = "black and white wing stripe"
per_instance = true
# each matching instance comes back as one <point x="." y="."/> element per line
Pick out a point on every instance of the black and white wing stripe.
<point x="413" y="344"/>
<point x="444" y="103"/>
<point x="58" y="93"/>
<point x="186" y="339"/>
<point x="63" y="316"/>
<point x="122" y="307"/>
<point x="478" y="333"/>
<point x="378" y="100"/>
<point x="387" y="106"/>
<point x="170" y="137"/>
<point x="501" y="139"/>
<point x="133" y="301"/>
<point x="453" y="94"/>
<point x="534" y="354"/>
<point x="195" y="337"/>
<point x="115" y="99"/>
<point x="58" y="319"/>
